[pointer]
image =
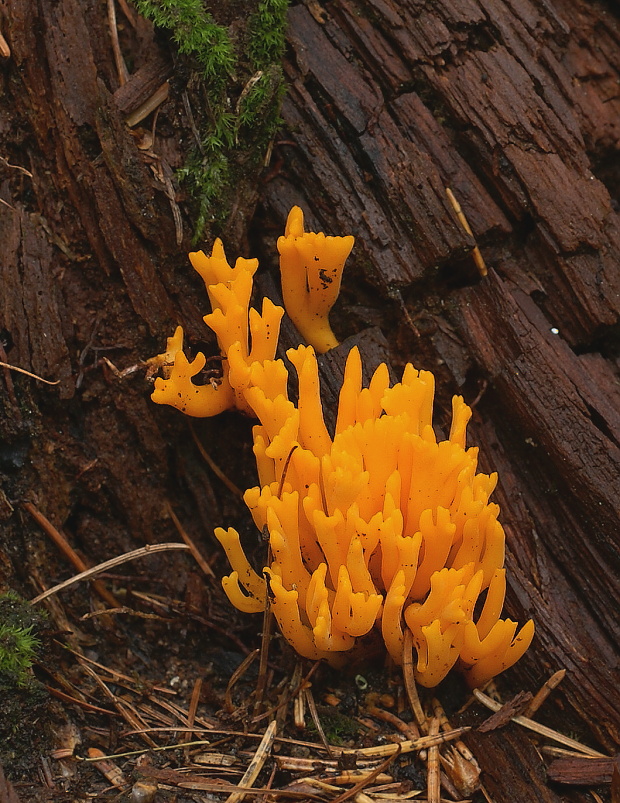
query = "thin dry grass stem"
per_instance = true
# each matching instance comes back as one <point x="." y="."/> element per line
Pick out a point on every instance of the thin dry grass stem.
<point x="433" y="779"/>
<point x="8" y="379"/>
<point x="323" y="765"/>
<point x="543" y="730"/>
<point x="121" y="67"/>
<point x="236" y="676"/>
<point x="152" y="714"/>
<point x="477" y="256"/>
<point x="126" y="682"/>
<point x="4" y="162"/>
<point x="213" y="466"/>
<point x="410" y="684"/>
<point x="123" y="609"/>
<point x="296" y="692"/>
<point x="28" y="373"/>
<point x="222" y="787"/>
<point x="562" y="752"/>
<point x="486" y="795"/>
<point x="260" y="756"/>
<point x="156" y="749"/>
<point x="125" y="709"/>
<point x="284" y="700"/>
<point x="227" y="733"/>
<point x="299" y="711"/>
<point x="599" y="799"/>
<point x="5" y="50"/>
<point x="67" y="550"/>
<point x="392" y="793"/>
<point x="110" y="771"/>
<point x="296" y="687"/>
<point x="196" y="554"/>
<point x="406" y="728"/>
<point x="129" y="14"/>
<point x="150" y="549"/>
<point x="69" y="689"/>
<point x="446" y="726"/>
<point x="458" y="762"/>
<point x="408" y="746"/>
<point x="317" y="722"/>
<point x="271" y="778"/>
<point x="202" y="723"/>
<point x="175" y="710"/>
<point x="168" y="605"/>
<point x="285" y="470"/>
<point x="319" y="784"/>
<point x="351" y="793"/>
<point x="280" y="712"/>
<point x="152" y="103"/>
<point x="261" y="682"/>
<point x="544" y="691"/>
<point x="116" y="677"/>
<point x="67" y="698"/>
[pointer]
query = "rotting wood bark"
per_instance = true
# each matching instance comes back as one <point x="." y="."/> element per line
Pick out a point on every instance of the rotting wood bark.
<point x="391" y="103"/>
<point x="515" y="107"/>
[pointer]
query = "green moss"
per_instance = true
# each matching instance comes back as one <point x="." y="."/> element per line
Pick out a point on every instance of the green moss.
<point x="18" y="644"/>
<point x="338" y="728"/>
<point x="23" y="700"/>
<point x="196" y="34"/>
<point x="242" y="82"/>
<point x="267" y="27"/>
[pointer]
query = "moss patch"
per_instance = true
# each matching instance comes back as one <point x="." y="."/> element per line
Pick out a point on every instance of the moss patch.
<point x="240" y="88"/>
<point x="23" y="697"/>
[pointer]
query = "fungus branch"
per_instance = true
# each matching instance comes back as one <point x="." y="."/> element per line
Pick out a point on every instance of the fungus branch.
<point x="382" y="528"/>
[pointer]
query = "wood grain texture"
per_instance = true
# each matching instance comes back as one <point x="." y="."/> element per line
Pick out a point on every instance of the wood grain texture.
<point x="514" y="105"/>
<point x="511" y="106"/>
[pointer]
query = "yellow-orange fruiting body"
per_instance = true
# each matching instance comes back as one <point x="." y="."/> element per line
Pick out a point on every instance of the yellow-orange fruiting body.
<point x="378" y="527"/>
<point x="311" y="266"/>
<point x="244" y="337"/>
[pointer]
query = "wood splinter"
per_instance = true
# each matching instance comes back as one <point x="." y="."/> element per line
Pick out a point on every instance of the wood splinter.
<point x="477" y="256"/>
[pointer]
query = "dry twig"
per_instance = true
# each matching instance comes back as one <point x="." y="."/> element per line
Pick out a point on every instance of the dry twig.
<point x="477" y="256"/>
<point x="410" y="684"/>
<point x="544" y="691"/>
<point x="150" y="549"/>
<point x="28" y="373"/>
<point x="433" y="782"/>
<point x="260" y="756"/>
<point x="543" y="730"/>
<point x="70" y="553"/>
<point x="190" y="543"/>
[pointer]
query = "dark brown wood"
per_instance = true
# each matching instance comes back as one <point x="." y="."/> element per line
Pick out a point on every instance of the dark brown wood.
<point x="389" y="104"/>
<point x="582" y="771"/>
<point x="7" y="790"/>
<point x="512" y="768"/>
<point x="143" y="83"/>
<point x="510" y="709"/>
<point x="514" y="105"/>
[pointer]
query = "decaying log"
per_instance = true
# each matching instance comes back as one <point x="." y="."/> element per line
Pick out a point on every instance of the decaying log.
<point x="389" y="105"/>
<point x="583" y="771"/>
<point x="513" y="105"/>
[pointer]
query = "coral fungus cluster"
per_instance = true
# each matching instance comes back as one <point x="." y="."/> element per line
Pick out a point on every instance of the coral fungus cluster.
<point x="377" y="528"/>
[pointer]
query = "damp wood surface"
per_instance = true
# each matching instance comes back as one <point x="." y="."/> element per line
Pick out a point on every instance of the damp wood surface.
<point x="389" y="105"/>
<point x="515" y="107"/>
